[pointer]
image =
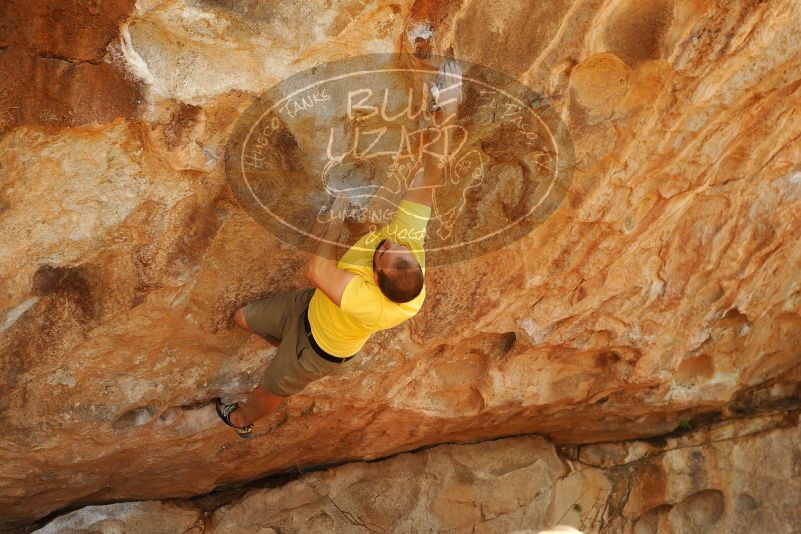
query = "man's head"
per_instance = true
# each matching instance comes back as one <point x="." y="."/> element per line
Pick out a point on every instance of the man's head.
<point x="397" y="272"/>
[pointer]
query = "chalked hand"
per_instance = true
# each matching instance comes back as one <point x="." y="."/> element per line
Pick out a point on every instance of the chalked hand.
<point x="446" y="89"/>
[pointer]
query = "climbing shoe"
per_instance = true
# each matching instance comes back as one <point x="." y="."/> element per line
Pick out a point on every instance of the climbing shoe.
<point x="224" y="411"/>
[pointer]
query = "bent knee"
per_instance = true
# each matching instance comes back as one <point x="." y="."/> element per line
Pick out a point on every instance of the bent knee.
<point x="239" y="319"/>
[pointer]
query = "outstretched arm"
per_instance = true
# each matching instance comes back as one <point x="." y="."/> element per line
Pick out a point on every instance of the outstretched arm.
<point x="447" y="93"/>
<point x="427" y="179"/>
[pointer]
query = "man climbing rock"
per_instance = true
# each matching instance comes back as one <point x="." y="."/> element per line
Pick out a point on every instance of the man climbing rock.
<point x="377" y="284"/>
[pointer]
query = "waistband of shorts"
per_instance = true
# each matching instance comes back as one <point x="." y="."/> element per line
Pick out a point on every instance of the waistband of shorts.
<point x="320" y="352"/>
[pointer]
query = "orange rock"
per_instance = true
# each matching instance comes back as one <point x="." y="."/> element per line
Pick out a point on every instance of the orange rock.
<point x="665" y="284"/>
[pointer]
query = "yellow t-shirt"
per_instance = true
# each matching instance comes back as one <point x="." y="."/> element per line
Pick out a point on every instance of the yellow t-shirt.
<point x="343" y="331"/>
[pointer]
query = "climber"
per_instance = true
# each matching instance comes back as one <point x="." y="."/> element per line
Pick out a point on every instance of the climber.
<point x="377" y="284"/>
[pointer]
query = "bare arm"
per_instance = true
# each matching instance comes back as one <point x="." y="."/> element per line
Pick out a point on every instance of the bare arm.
<point x="436" y="143"/>
<point x="322" y="269"/>
<point x="427" y="179"/>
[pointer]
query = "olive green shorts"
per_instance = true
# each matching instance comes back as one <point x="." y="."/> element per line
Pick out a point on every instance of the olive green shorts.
<point x="296" y="363"/>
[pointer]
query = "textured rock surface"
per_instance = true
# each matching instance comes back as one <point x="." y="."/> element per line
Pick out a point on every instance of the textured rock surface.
<point x="151" y="517"/>
<point x="666" y="283"/>
<point x="722" y="478"/>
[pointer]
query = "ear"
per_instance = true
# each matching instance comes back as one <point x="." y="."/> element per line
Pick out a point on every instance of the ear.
<point x="375" y="277"/>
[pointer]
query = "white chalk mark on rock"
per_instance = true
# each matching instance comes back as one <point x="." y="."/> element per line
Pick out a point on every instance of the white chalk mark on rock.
<point x="16" y="312"/>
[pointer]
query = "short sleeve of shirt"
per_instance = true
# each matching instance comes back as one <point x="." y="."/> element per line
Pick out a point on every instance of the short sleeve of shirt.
<point x="409" y="223"/>
<point x="363" y="300"/>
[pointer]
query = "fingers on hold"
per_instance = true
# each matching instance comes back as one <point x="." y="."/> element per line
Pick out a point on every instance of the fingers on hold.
<point x="452" y="74"/>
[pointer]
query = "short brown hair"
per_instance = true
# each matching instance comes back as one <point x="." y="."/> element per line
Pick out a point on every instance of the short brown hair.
<point x="402" y="281"/>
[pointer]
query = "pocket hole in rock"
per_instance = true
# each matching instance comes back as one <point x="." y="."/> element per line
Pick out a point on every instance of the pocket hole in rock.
<point x="134" y="418"/>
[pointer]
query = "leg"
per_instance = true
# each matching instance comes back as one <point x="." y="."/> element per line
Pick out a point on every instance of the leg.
<point x="239" y="319"/>
<point x="274" y="318"/>
<point x="260" y="403"/>
<point x="241" y="322"/>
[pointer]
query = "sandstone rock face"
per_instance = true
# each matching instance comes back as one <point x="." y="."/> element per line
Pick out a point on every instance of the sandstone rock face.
<point x="142" y="517"/>
<point x="668" y="282"/>
<point x="718" y="479"/>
